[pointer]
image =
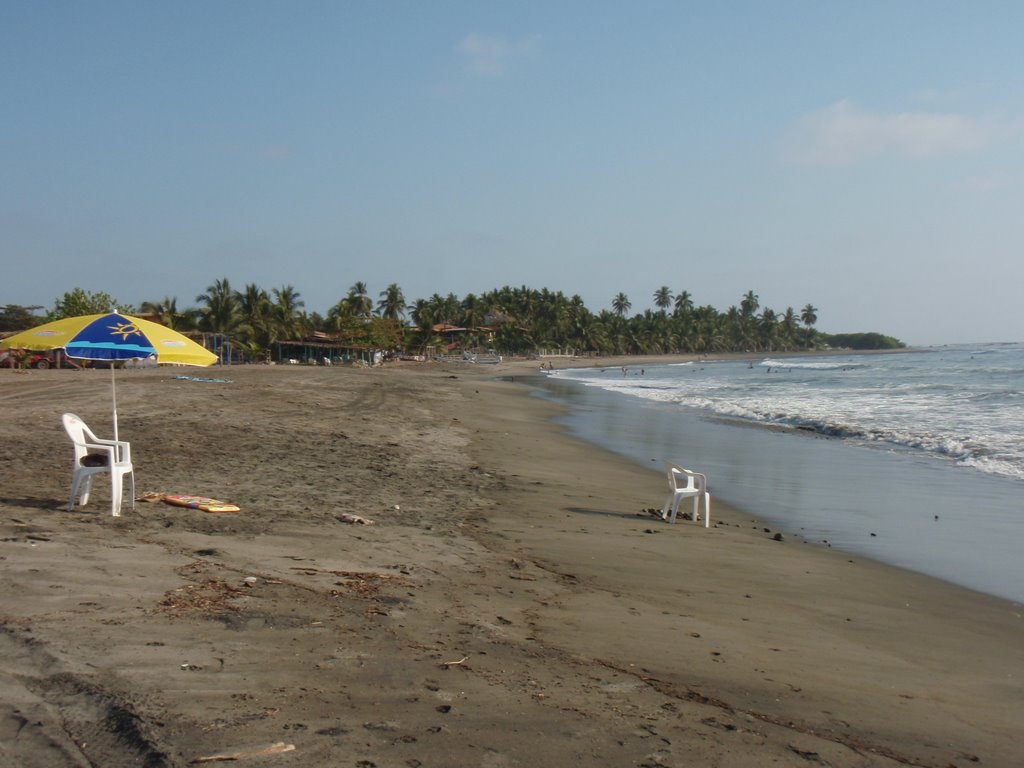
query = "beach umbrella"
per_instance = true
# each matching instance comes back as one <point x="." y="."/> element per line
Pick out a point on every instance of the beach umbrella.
<point x="112" y="337"/>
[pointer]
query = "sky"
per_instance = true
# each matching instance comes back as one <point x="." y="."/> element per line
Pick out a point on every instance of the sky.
<point x="864" y="157"/>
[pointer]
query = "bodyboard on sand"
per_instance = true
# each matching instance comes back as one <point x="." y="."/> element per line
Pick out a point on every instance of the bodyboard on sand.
<point x="203" y="503"/>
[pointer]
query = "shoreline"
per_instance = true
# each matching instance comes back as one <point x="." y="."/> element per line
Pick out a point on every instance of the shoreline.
<point x="818" y="480"/>
<point x="632" y="361"/>
<point x="511" y="605"/>
<point x="811" y="584"/>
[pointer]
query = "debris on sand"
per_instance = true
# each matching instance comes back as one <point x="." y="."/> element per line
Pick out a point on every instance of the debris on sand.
<point x="270" y="749"/>
<point x="346" y="517"/>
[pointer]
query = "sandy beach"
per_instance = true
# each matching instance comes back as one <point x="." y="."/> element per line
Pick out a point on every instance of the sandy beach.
<point x="511" y="604"/>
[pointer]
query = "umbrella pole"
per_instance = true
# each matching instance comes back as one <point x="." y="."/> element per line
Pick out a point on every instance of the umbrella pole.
<point x="113" y="396"/>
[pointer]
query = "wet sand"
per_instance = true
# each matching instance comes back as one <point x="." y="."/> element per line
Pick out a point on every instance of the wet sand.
<point x="511" y="605"/>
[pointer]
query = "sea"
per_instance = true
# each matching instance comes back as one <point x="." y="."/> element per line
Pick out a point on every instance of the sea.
<point x="914" y="458"/>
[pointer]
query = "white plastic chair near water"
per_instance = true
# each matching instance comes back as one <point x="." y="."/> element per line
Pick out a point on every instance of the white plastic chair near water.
<point x="684" y="484"/>
<point x="94" y="455"/>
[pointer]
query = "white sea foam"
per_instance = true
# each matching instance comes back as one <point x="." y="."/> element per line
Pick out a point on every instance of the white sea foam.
<point x="823" y="365"/>
<point x="949" y="404"/>
<point x="922" y="449"/>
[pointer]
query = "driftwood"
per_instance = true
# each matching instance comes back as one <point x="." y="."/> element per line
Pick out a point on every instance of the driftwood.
<point x="345" y="517"/>
<point x="223" y="757"/>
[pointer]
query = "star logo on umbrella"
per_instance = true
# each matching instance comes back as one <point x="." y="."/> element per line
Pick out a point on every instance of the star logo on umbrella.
<point x="124" y="330"/>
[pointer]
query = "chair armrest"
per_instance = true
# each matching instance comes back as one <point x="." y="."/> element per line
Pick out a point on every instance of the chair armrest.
<point x="120" y="451"/>
<point x="97" y="449"/>
<point x="702" y="480"/>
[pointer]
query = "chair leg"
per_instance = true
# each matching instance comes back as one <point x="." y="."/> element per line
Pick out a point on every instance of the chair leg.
<point x="667" y="506"/>
<point x="81" y="484"/>
<point x="116" y="487"/>
<point x="707" y="510"/>
<point x="74" y="492"/>
<point x="676" y="499"/>
<point x="131" y="487"/>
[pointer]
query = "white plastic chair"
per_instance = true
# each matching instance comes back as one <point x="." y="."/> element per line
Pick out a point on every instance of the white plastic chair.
<point x="685" y="484"/>
<point x="113" y="456"/>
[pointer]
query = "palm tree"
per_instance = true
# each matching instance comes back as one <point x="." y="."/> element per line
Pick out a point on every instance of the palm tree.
<point x="423" y="317"/>
<point x="287" y="312"/>
<point x="749" y="304"/>
<point x="255" y="326"/>
<point x="220" y="314"/>
<point x="166" y="313"/>
<point x="769" y="329"/>
<point x="684" y="303"/>
<point x="663" y="299"/>
<point x="580" y="330"/>
<point x="473" y="315"/>
<point x="788" y="328"/>
<point x="448" y="308"/>
<point x="359" y="300"/>
<point x="746" y="334"/>
<point x="809" y="316"/>
<point x="339" y="316"/>
<point x="734" y="330"/>
<point x="422" y="314"/>
<point x="621" y="304"/>
<point x="592" y="334"/>
<point x="392" y="303"/>
<point x="253" y="305"/>
<point x="686" y="336"/>
<point x="521" y="319"/>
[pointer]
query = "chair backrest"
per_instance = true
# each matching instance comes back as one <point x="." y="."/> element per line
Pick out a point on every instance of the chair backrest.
<point x="680" y="479"/>
<point x="79" y="434"/>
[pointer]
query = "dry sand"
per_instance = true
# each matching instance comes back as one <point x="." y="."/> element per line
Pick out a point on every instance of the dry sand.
<point x="512" y="605"/>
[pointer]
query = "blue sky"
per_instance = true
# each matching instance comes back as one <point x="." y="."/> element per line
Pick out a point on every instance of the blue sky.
<point x="864" y="157"/>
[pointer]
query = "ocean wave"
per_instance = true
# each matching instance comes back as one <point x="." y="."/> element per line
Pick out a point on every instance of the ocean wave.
<point x="993" y="466"/>
<point x="951" y="412"/>
<point x="812" y="365"/>
<point x="1002" y="371"/>
<point x="665" y="393"/>
<point x="972" y="451"/>
<point x="982" y="452"/>
<point x="978" y="451"/>
<point x="996" y="397"/>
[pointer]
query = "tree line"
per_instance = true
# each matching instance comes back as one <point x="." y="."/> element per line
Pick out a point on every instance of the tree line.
<point x="509" y="320"/>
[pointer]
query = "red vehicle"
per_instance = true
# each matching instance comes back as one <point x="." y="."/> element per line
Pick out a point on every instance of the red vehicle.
<point x="18" y="358"/>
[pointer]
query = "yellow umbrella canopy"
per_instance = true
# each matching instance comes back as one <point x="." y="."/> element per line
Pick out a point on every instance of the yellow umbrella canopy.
<point x="112" y="336"/>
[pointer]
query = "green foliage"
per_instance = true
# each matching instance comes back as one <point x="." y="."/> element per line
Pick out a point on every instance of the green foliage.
<point x="166" y="313"/>
<point x="385" y="333"/>
<point x="376" y="332"/>
<point x="221" y="312"/>
<point x="512" y="320"/>
<point x="79" y="302"/>
<point x="14" y="317"/>
<point x="392" y="303"/>
<point x="861" y="341"/>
